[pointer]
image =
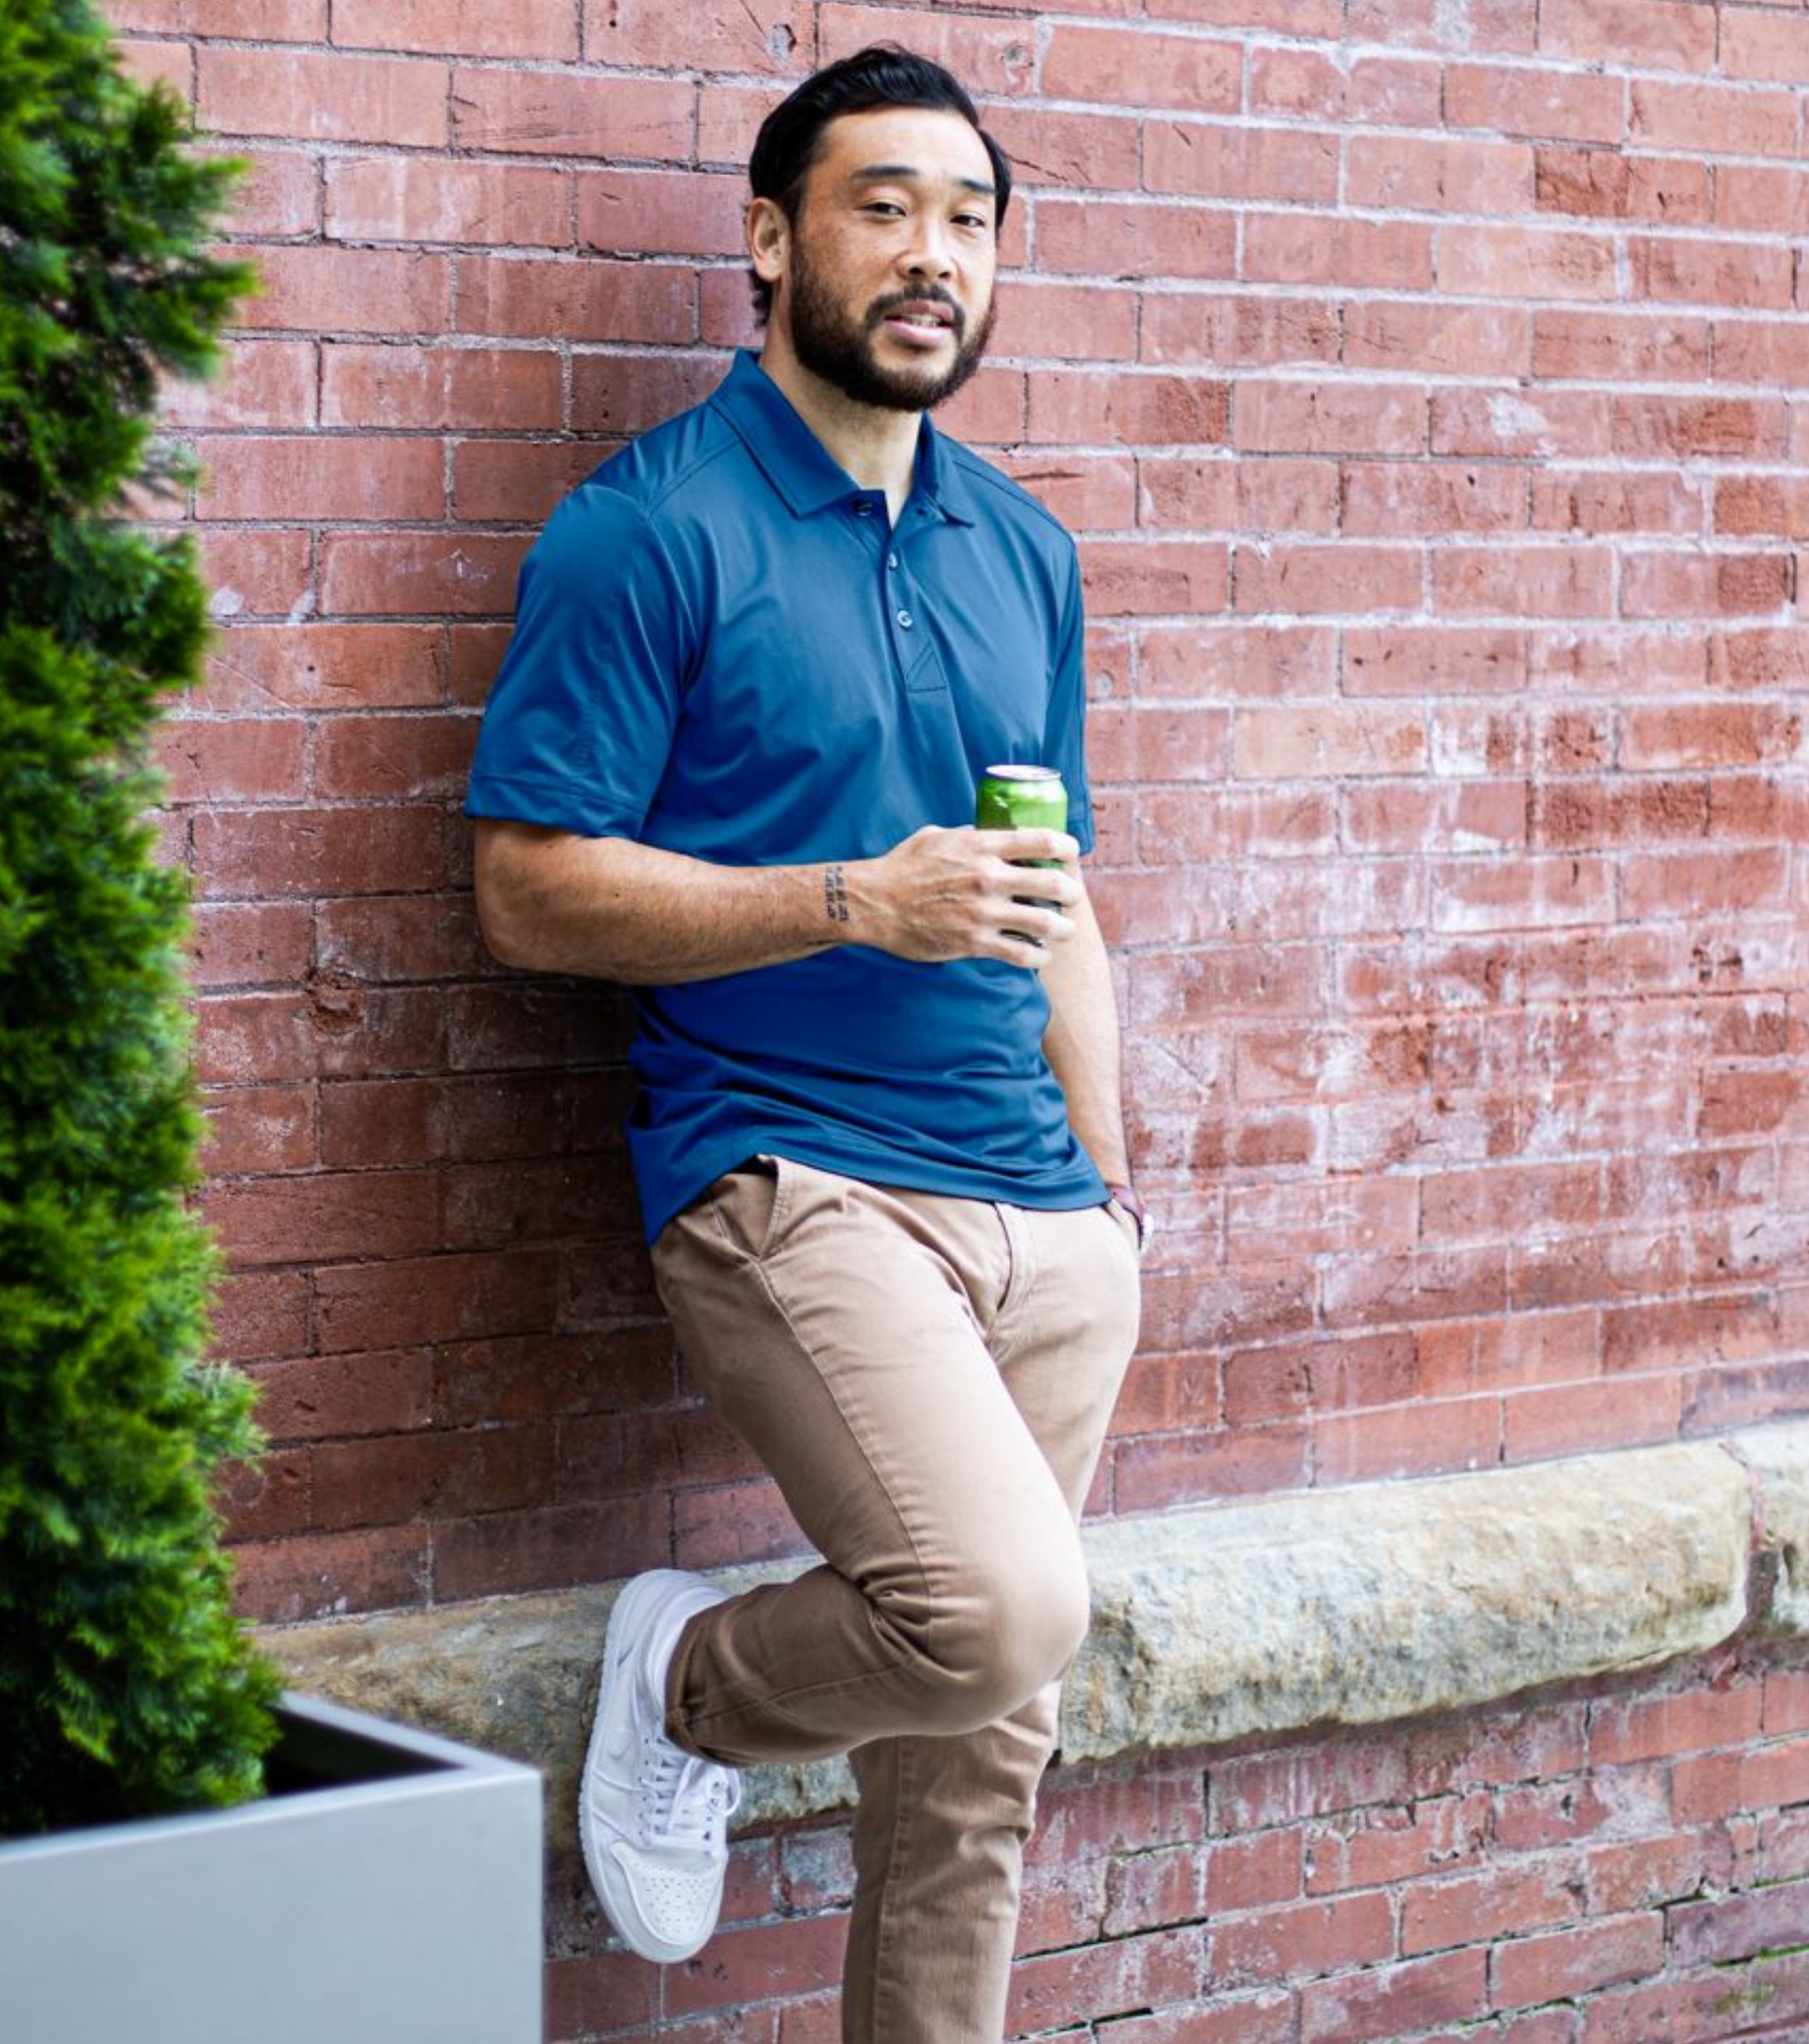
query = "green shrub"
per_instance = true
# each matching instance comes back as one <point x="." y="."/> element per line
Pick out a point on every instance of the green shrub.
<point x="126" y="1684"/>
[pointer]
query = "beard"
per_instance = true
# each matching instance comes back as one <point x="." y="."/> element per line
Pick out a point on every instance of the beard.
<point x="839" y="347"/>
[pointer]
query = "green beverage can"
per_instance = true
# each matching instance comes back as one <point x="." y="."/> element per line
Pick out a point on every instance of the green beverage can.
<point x="1015" y="797"/>
<point x="1021" y="798"/>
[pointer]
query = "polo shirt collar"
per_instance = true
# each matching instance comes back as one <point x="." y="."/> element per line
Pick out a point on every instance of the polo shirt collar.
<point x="797" y="464"/>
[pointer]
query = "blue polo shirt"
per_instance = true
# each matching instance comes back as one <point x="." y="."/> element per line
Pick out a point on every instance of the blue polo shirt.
<point x="723" y="647"/>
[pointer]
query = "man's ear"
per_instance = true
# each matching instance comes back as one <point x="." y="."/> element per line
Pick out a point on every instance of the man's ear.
<point x="769" y="239"/>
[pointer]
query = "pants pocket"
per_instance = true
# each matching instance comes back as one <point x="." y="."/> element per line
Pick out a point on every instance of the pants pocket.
<point x="752" y="1202"/>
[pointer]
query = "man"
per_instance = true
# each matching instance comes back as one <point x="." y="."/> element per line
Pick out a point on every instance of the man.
<point x="761" y="659"/>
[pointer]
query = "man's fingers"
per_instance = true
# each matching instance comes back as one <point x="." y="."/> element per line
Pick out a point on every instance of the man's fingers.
<point x="1030" y="844"/>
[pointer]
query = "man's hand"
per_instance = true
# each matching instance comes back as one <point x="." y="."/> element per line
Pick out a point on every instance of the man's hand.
<point x="943" y="894"/>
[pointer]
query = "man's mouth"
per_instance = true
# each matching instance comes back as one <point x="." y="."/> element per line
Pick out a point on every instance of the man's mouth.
<point x="925" y="320"/>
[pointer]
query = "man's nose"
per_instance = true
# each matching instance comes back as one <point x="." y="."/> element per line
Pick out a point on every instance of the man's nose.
<point x="928" y="255"/>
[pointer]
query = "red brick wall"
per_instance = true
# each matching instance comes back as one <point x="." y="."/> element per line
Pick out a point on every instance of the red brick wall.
<point x="1428" y="382"/>
<point x="1595" y="1869"/>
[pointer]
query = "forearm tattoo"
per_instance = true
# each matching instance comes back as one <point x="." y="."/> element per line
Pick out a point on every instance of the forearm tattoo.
<point x="835" y="895"/>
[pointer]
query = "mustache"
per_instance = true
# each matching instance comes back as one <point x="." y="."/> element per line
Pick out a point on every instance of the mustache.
<point x="931" y="294"/>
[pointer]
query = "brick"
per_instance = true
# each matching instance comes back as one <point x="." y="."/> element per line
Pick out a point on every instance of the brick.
<point x="1301" y="1938"/>
<point x="1760" y="199"/>
<point x="1222" y="330"/>
<point x="1088" y="493"/>
<point x="1308" y="579"/>
<point x="244" y="943"/>
<point x="260" y="1128"/>
<point x="1121" y="238"/>
<point x="1526" y="100"/>
<point x="260" y="668"/>
<point x="589" y="299"/>
<point x="1139" y="68"/>
<point x="261" y="1314"/>
<point x="279" y="193"/>
<point x="661" y="213"/>
<point x="1642" y="347"/>
<point x="1687" y="1721"/>
<point x="320" y="289"/>
<point x="221" y="760"/>
<point x="1407" y="172"/>
<point x="249" y="20"/>
<point x="1715" y="734"/>
<point x="1644" y="1873"/>
<point x="1266" y="2017"/>
<point x="462" y="27"/>
<point x="1405" y="1288"/>
<point x="1297" y="417"/>
<point x="276" y="853"/>
<point x="1474" y="1909"/>
<point x="773" y="36"/>
<point x="1602" y="184"/>
<point x="1128" y="1976"/>
<point x="564" y="114"/>
<point x="1502" y="423"/>
<point x="1704" y="272"/>
<point x="400" y="757"/>
<point x="310" y="1397"/>
<point x="261" y="383"/>
<point x="1388" y="1842"/>
<point x="255" y="573"/>
<point x="1771" y="47"/>
<point x="1726" y="428"/>
<point x="321" y="95"/>
<point x="439" y="199"/>
<point x="1095" y="151"/>
<point x="1579" y="1961"/>
<point x="550" y="1547"/>
<point x="1420" y="1439"/>
<point x="1717" y="120"/>
<point x="1206" y="160"/>
<point x="1395" y="2001"/>
<point x="1326" y="739"/>
<point x="323" y="1575"/>
<point x="1087" y="407"/>
<point x="1385" y="498"/>
<point x="1168" y="1470"/>
<point x="317" y="477"/>
<point x="433" y="1475"/>
<point x="1763" y="352"/>
<point x="1650" y="35"/>
<point x="1551" y="581"/>
<point x="1264" y="1223"/>
<point x="1314" y="249"/>
<point x="1579" y="1418"/>
<point x="430" y="573"/>
<point x="1153" y="577"/>
<point x="1591" y="502"/>
<point x="991" y="57"/>
<point x="1509" y="1201"/>
<point x="1520" y="263"/>
<point x="1372" y="92"/>
<point x="499" y="389"/>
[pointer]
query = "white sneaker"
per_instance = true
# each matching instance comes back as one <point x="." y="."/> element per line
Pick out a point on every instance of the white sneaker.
<point x="653" y="1819"/>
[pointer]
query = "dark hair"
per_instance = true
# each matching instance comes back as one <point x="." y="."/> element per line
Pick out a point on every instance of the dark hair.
<point x="882" y="74"/>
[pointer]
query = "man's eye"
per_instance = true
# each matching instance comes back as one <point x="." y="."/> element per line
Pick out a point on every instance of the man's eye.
<point x="883" y="205"/>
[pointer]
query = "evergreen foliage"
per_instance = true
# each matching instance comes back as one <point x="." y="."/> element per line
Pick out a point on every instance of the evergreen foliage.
<point x="126" y="1684"/>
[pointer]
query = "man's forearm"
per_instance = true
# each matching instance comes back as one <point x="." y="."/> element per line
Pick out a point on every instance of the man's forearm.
<point x="610" y="909"/>
<point x="1081" y="1045"/>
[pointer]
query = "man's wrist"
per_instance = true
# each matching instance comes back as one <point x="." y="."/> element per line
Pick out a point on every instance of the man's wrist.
<point x="1124" y="1197"/>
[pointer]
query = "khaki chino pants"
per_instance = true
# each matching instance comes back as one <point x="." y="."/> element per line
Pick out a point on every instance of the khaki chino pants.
<point x="929" y="1379"/>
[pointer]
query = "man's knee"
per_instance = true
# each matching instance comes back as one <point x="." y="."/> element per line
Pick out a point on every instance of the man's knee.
<point x="998" y="1634"/>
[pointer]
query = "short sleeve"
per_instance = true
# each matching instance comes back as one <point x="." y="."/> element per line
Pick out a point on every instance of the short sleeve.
<point x="1064" y="742"/>
<point x="578" y="726"/>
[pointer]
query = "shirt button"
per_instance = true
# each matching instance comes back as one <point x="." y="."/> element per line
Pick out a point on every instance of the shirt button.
<point x="863" y="510"/>
<point x="906" y="619"/>
<point x="891" y="560"/>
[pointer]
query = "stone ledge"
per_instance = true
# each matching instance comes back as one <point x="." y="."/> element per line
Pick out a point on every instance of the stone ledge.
<point x="1341" y="1606"/>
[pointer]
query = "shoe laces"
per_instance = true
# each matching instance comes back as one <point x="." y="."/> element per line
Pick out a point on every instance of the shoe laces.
<point x="686" y="1801"/>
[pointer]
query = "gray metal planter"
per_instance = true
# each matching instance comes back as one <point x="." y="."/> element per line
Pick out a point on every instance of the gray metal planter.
<point x="387" y="1890"/>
